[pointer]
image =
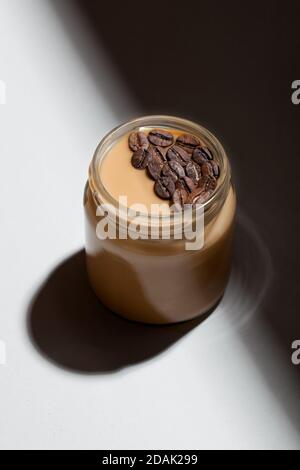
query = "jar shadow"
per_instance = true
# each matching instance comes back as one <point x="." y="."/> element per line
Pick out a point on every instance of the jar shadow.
<point x="69" y="325"/>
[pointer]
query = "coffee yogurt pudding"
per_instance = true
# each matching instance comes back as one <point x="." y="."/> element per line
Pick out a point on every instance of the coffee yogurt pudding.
<point x="174" y="165"/>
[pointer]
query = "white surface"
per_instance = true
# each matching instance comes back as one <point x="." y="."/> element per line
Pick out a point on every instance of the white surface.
<point x="205" y="391"/>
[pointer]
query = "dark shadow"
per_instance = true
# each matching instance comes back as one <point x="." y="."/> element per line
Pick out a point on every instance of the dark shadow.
<point x="69" y="325"/>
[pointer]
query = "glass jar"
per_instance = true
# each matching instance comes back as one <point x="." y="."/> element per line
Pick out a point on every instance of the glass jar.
<point x="158" y="280"/>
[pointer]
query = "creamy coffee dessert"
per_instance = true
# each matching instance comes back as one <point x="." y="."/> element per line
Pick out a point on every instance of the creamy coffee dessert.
<point x="174" y="162"/>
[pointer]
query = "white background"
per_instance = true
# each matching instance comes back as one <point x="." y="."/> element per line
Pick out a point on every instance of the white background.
<point x="207" y="390"/>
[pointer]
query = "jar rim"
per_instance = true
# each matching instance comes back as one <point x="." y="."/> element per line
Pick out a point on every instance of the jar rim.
<point x="217" y="198"/>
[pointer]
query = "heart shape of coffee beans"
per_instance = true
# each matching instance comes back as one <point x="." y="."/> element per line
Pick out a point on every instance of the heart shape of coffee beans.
<point x="184" y="170"/>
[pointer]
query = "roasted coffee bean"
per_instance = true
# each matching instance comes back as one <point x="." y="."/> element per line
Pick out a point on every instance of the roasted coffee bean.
<point x="180" y="197"/>
<point x="154" y="167"/>
<point x="159" y="152"/>
<point x="209" y="188"/>
<point x="203" y="197"/>
<point x="193" y="171"/>
<point x="211" y="184"/>
<point x="199" y="156"/>
<point x="189" y="183"/>
<point x="140" y="159"/>
<point x="177" y="168"/>
<point x="203" y="185"/>
<point x="194" y="195"/>
<point x="186" y="183"/>
<point x="156" y="162"/>
<point x="188" y="141"/>
<point x="178" y="154"/>
<point x="167" y="171"/>
<point x="164" y="187"/>
<point x="207" y="182"/>
<point x="202" y="193"/>
<point x="138" y="140"/>
<point x="171" y="156"/>
<point x="160" y="137"/>
<point x="207" y="152"/>
<point x="169" y="184"/>
<point x="206" y="169"/>
<point x="161" y="190"/>
<point x="215" y="168"/>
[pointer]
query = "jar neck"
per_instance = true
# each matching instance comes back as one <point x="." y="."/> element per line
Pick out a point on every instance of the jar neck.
<point x="211" y="207"/>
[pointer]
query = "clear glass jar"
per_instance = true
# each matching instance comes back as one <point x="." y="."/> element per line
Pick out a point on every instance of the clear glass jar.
<point x="158" y="280"/>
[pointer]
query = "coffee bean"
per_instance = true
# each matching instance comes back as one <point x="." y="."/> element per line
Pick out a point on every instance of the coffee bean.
<point x="154" y="167"/>
<point x="138" y="140"/>
<point x="167" y="171"/>
<point x="160" y="152"/>
<point x="160" y="137"/>
<point x="164" y="187"/>
<point x="211" y="184"/>
<point x="193" y="171"/>
<point x="178" y="154"/>
<point x="174" y="157"/>
<point x="207" y="152"/>
<point x="161" y="190"/>
<point x="206" y="169"/>
<point x="215" y="168"/>
<point x="169" y="184"/>
<point x="177" y="168"/>
<point x="185" y="183"/>
<point x="203" y="197"/>
<point x="207" y="182"/>
<point x="195" y="195"/>
<point x="140" y="159"/>
<point x="205" y="189"/>
<point x="189" y="184"/>
<point x="199" y="156"/>
<point x="155" y="163"/>
<point x="188" y="141"/>
<point x="180" y="197"/>
<point x="209" y="188"/>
